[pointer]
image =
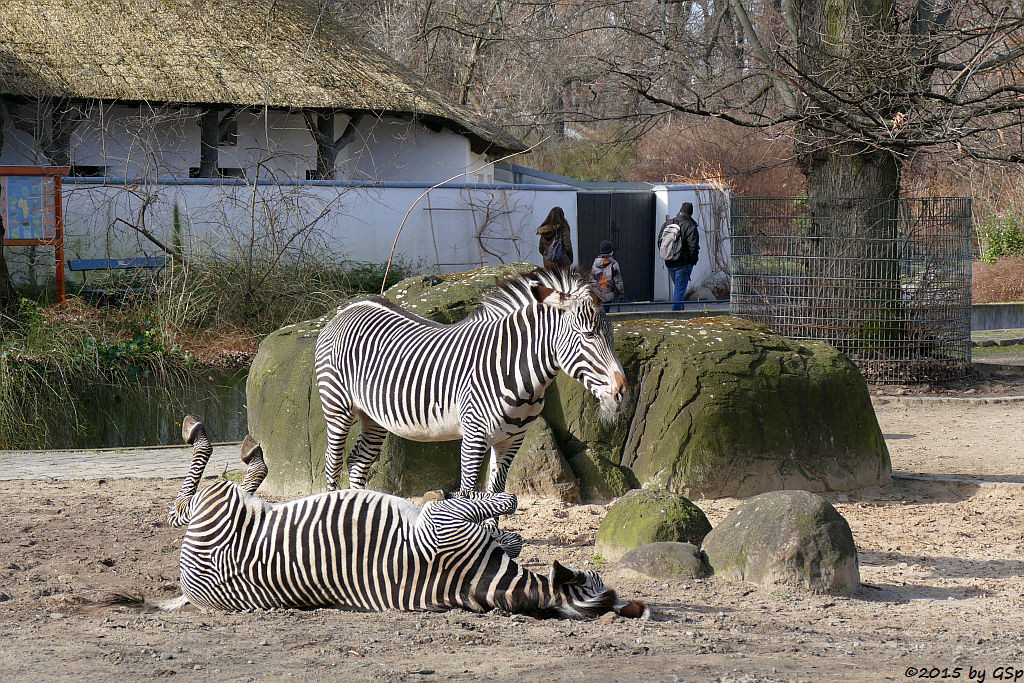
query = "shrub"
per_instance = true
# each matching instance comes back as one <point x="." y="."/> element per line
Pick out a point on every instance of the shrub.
<point x="605" y="156"/>
<point x="1001" y="236"/>
<point x="750" y="162"/>
<point x="999" y="281"/>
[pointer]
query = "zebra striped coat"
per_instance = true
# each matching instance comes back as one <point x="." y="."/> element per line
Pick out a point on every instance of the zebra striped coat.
<point x="361" y="550"/>
<point x="482" y="379"/>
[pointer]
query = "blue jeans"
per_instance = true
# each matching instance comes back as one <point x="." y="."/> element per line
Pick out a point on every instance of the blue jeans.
<point x="680" y="281"/>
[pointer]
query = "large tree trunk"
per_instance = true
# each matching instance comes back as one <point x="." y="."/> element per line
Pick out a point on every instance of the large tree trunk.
<point x="853" y="251"/>
<point x="852" y="188"/>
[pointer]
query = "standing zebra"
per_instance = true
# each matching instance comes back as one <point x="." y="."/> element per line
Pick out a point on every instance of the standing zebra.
<point x="481" y="379"/>
<point x="361" y="550"/>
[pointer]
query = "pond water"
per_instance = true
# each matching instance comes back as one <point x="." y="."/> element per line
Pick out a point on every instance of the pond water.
<point x="148" y="412"/>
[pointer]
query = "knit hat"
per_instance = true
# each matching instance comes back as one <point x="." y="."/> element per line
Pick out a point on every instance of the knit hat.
<point x="607" y="247"/>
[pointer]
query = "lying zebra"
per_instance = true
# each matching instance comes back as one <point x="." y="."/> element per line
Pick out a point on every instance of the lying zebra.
<point x="362" y="550"/>
<point x="482" y="379"/>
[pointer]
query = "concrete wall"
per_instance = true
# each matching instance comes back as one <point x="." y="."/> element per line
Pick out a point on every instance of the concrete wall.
<point x="1000" y="316"/>
<point x="455" y="227"/>
<point x="452" y="229"/>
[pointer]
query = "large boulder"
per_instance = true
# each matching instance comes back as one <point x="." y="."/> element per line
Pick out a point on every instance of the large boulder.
<point x="645" y="516"/>
<point x="786" y="538"/>
<point x="718" y="407"/>
<point x="724" y="407"/>
<point x="540" y="469"/>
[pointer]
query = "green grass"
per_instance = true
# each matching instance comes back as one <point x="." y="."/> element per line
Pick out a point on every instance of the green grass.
<point x="52" y="358"/>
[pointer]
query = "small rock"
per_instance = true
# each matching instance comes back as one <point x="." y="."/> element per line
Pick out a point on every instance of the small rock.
<point x="645" y="516"/>
<point x="668" y="559"/>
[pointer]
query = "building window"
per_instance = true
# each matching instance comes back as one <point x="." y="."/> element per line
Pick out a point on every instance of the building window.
<point x="228" y="133"/>
<point x="87" y="171"/>
<point x="223" y="172"/>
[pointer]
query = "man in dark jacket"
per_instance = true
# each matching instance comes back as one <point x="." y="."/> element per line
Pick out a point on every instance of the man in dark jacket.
<point x="681" y="267"/>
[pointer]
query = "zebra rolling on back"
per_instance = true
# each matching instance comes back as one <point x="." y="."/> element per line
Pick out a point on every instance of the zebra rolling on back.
<point x="482" y="379"/>
<point x="362" y="550"/>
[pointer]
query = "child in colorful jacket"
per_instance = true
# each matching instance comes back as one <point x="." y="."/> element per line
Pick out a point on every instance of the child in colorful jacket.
<point x="605" y="276"/>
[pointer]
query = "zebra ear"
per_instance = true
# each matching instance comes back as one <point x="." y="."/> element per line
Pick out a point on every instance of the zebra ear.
<point x="547" y="296"/>
<point x="561" y="575"/>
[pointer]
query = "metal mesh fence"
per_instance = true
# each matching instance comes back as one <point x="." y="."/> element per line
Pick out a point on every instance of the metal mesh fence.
<point x="886" y="281"/>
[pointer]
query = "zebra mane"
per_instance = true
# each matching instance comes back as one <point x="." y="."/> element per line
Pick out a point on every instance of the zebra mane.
<point x="514" y="294"/>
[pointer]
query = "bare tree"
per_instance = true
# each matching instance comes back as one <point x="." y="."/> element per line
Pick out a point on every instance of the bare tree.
<point x="865" y="85"/>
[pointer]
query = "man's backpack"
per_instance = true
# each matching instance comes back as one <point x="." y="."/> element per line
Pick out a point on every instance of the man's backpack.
<point x="556" y="253"/>
<point x="670" y="244"/>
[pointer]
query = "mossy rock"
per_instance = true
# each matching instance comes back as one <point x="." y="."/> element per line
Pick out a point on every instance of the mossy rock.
<point x="724" y="407"/>
<point x="450" y="298"/>
<point x="718" y="407"/>
<point x="600" y="479"/>
<point x="645" y="516"/>
<point x="786" y="538"/>
<point x="668" y="560"/>
<point x="540" y="469"/>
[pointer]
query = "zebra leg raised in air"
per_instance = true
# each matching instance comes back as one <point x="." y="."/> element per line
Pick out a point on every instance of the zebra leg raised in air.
<point x="361" y="549"/>
<point x="193" y="432"/>
<point x="480" y="507"/>
<point x="256" y="470"/>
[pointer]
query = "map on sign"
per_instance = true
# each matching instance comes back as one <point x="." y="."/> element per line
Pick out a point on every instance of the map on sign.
<point x="27" y="206"/>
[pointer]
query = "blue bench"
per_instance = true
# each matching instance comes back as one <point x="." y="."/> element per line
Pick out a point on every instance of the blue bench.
<point x="83" y="265"/>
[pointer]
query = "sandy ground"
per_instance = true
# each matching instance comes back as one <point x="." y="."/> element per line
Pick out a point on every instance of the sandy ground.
<point x="942" y="565"/>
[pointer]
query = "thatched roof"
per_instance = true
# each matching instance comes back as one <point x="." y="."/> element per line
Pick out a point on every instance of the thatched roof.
<point x="235" y="52"/>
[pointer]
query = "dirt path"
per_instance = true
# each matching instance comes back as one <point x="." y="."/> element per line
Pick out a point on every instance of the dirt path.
<point x="943" y="564"/>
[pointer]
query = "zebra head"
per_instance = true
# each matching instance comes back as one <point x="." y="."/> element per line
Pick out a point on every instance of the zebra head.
<point x="584" y="342"/>
<point x="582" y="595"/>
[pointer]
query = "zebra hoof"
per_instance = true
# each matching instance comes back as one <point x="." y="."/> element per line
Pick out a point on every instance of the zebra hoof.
<point x="434" y="496"/>
<point x="191" y="429"/>
<point x="250" y="449"/>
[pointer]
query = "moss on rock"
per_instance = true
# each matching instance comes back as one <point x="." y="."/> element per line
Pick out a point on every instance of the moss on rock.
<point x="645" y="516"/>
<point x="540" y="469"/>
<point x="600" y="479"/>
<point x="724" y="407"/>
<point x="717" y="407"/>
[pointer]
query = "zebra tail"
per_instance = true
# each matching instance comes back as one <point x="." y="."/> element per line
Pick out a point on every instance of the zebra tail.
<point x="138" y="601"/>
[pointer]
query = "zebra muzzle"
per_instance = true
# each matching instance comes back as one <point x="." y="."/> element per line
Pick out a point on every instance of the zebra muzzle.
<point x="634" y="609"/>
<point x="620" y="387"/>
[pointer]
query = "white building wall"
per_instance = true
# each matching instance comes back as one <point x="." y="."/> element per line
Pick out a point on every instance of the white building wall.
<point x="144" y="142"/>
<point x="398" y="149"/>
<point x="278" y="142"/>
<point x="711" y="212"/>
